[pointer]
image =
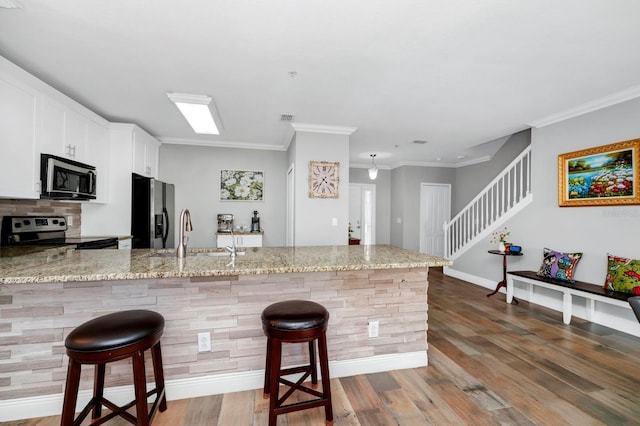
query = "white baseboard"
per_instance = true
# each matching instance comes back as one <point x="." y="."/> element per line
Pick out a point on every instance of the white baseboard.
<point x="620" y="320"/>
<point x="482" y="282"/>
<point x="51" y="405"/>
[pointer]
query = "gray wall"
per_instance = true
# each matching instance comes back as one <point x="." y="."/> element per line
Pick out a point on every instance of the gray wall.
<point x="591" y="230"/>
<point x="313" y="216"/>
<point x="405" y="201"/>
<point x="470" y="180"/>
<point x="383" y="200"/>
<point x="195" y="172"/>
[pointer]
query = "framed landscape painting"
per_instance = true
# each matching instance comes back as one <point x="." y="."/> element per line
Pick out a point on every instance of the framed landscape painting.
<point x="600" y="176"/>
<point x="241" y="185"/>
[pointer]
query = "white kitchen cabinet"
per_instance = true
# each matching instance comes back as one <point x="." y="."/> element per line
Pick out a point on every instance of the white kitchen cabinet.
<point x="242" y="240"/>
<point x="146" y="151"/>
<point x="64" y="132"/>
<point x="97" y="155"/>
<point x="68" y="134"/>
<point x="19" y="131"/>
<point x="35" y="118"/>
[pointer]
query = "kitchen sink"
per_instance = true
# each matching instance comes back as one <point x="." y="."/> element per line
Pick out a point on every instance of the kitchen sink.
<point x="213" y="253"/>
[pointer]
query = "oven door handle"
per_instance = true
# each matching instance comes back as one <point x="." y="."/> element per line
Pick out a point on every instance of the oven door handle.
<point x="92" y="183"/>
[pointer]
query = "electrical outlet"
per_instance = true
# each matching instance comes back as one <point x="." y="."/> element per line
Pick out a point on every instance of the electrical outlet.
<point x="373" y="328"/>
<point x="204" y="342"/>
<point x="69" y="220"/>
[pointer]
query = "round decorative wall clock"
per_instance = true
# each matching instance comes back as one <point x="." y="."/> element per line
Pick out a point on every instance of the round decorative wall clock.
<point x="323" y="179"/>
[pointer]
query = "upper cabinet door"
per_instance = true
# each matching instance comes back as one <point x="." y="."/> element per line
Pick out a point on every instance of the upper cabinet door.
<point x="146" y="150"/>
<point x="97" y="155"/>
<point x="19" y="159"/>
<point x="64" y="132"/>
<point x="53" y="116"/>
<point x="75" y="135"/>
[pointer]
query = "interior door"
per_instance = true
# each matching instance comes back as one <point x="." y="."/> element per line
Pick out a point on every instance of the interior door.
<point x="362" y="212"/>
<point x="355" y="211"/>
<point x="435" y="210"/>
<point x="290" y="236"/>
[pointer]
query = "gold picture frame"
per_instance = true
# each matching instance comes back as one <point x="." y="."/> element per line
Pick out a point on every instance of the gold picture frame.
<point x="606" y="175"/>
<point x="324" y="179"/>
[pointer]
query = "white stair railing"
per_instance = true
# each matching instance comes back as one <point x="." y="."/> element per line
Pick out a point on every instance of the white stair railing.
<point x="503" y="197"/>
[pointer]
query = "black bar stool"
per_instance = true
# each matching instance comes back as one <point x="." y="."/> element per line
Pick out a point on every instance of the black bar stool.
<point x="111" y="338"/>
<point x="296" y="321"/>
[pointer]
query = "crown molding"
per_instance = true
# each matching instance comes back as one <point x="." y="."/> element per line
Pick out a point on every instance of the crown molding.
<point x="607" y="101"/>
<point x="221" y="144"/>
<point x="368" y="166"/>
<point x="441" y="163"/>
<point x="322" y="128"/>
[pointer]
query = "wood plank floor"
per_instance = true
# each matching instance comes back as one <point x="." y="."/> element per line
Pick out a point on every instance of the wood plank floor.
<point x="489" y="363"/>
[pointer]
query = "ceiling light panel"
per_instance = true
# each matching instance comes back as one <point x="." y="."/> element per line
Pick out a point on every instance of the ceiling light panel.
<point x="196" y="109"/>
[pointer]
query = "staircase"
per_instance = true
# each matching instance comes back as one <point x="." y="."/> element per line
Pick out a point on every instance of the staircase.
<point x="500" y="200"/>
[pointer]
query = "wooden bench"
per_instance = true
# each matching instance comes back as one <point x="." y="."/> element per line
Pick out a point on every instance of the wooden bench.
<point x="593" y="293"/>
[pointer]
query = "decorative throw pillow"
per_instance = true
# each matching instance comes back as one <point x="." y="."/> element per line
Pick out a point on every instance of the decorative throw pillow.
<point x="627" y="277"/>
<point x="613" y="264"/>
<point x="556" y="264"/>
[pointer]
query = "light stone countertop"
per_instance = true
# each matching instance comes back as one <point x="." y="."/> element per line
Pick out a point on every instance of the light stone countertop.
<point x="65" y="265"/>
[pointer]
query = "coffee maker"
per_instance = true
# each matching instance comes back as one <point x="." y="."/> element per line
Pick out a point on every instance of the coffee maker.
<point x="255" y="222"/>
<point x="225" y="222"/>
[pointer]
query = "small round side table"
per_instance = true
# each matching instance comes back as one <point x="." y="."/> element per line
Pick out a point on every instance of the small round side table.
<point x="503" y="283"/>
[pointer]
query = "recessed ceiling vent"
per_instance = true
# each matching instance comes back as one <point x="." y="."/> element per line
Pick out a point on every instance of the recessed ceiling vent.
<point x="417" y="142"/>
<point x="287" y="117"/>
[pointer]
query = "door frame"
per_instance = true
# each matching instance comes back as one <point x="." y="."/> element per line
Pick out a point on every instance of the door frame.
<point x="371" y="187"/>
<point x="291" y="210"/>
<point x="447" y="212"/>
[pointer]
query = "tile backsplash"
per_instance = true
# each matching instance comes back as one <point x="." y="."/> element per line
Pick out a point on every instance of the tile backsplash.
<point x="9" y="207"/>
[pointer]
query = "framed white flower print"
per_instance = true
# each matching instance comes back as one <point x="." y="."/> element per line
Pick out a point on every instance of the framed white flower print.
<point x="241" y="185"/>
<point x="323" y="179"/>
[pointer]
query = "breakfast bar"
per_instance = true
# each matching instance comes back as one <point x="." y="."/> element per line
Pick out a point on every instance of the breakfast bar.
<point x="47" y="293"/>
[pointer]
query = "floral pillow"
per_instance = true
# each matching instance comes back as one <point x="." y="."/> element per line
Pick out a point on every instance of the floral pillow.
<point x="613" y="264"/>
<point x="624" y="273"/>
<point x="558" y="265"/>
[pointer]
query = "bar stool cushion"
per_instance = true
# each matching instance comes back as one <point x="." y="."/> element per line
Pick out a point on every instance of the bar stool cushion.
<point x="294" y="315"/>
<point x="114" y="331"/>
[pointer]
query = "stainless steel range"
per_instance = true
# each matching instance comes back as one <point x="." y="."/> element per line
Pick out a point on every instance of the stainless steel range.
<point x="47" y="230"/>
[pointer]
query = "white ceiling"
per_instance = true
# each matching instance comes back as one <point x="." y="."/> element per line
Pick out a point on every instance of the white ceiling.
<point x="456" y="73"/>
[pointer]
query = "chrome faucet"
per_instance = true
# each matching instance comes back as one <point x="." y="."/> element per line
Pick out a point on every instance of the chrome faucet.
<point x="185" y="225"/>
<point x="232" y="249"/>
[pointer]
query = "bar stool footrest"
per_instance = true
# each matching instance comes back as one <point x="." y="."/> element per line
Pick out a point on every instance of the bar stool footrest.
<point x="117" y="410"/>
<point x="302" y="405"/>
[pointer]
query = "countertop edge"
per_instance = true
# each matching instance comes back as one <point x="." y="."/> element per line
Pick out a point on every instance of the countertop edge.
<point x="213" y="273"/>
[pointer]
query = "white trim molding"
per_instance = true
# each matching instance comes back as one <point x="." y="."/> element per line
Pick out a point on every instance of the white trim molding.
<point x="221" y="144"/>
<point x="51" y="405"/>
<point x="323" y="128"/>
<point x="607" y="101"/>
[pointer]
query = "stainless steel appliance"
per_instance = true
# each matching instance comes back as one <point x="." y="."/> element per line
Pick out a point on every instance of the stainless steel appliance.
<point x="64" y="179"/>
<point x="225" y="222"/>
<point x="47" y="230"/>
<point x="152" y="213"/>
<point x="255" y="222"/>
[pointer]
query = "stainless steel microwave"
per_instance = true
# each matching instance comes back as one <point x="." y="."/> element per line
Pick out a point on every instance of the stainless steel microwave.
<point x="65" y="179"/>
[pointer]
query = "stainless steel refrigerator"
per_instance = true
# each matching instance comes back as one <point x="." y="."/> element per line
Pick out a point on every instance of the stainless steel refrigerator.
<point x="152" y="213"/>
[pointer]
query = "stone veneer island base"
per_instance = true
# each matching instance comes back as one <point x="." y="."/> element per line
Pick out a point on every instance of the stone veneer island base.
<point x="40" y="305"/>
